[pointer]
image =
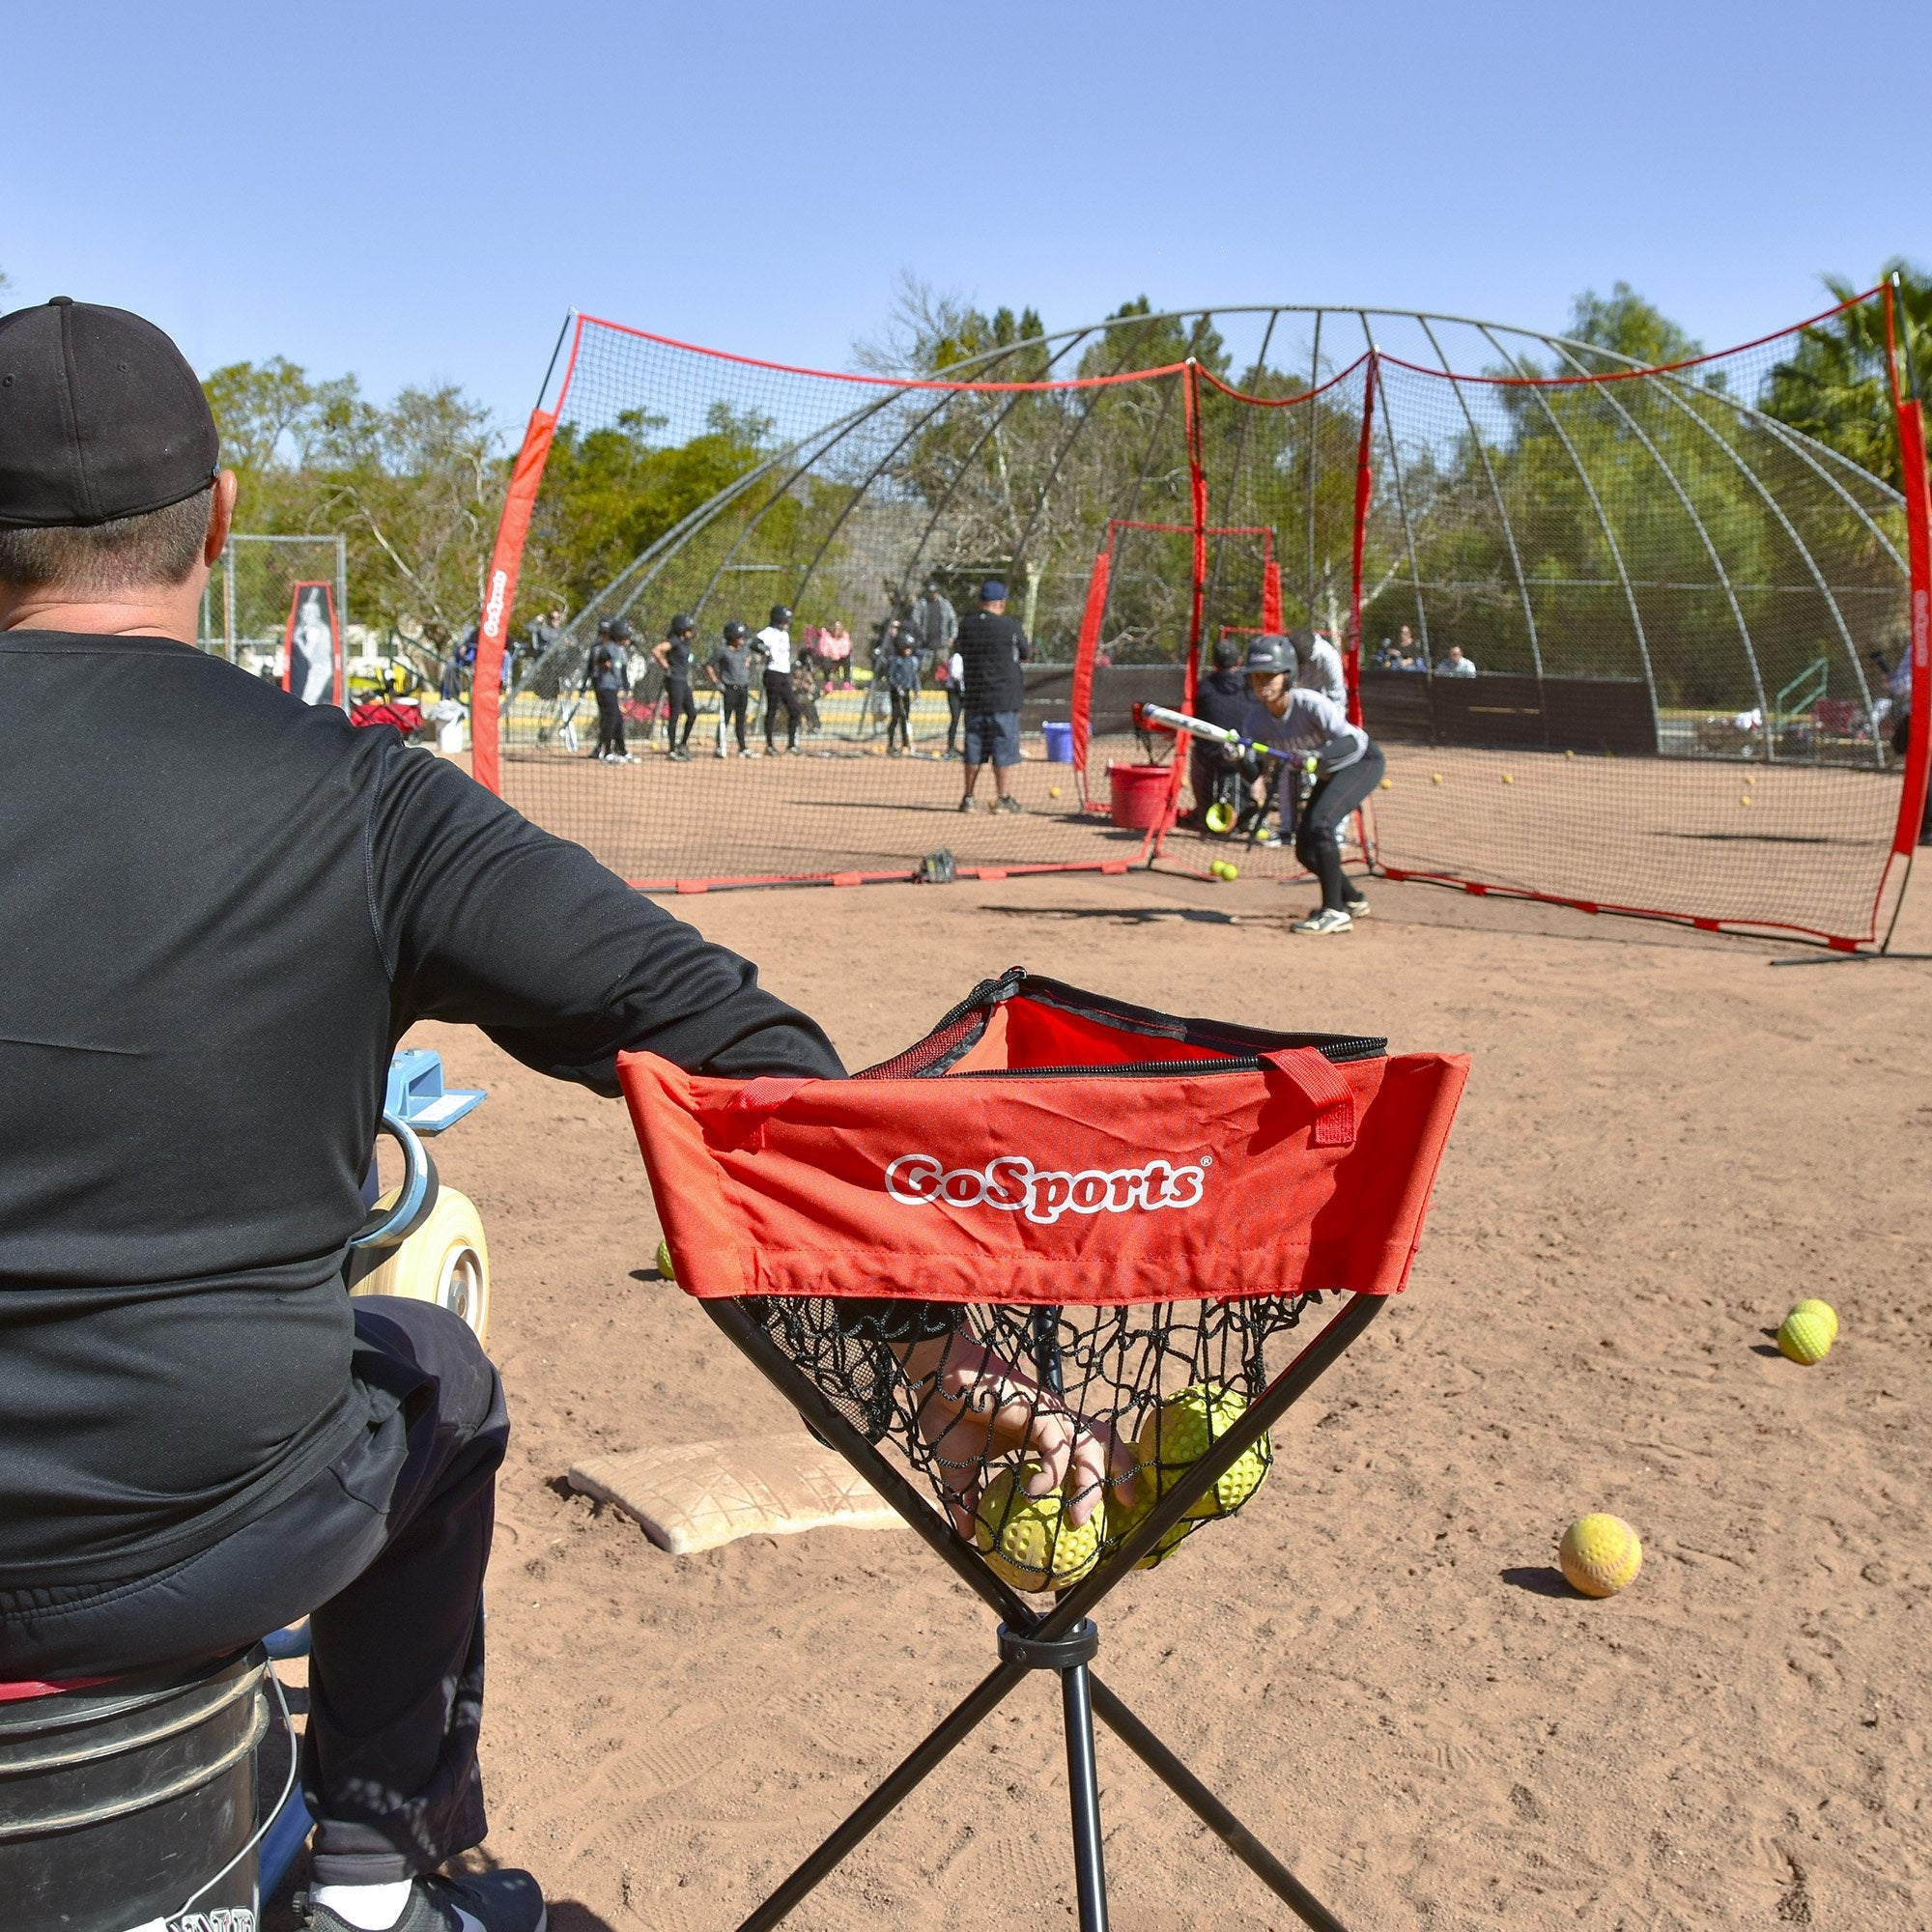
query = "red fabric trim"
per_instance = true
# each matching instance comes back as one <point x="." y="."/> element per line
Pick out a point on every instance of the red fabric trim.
<point x="1325" y="1084"/>
<point x="888" y="381"/>
<point x="1918" y="535"/>
<point x="1352" y="663"/>
<point x="30" y="1686"/>
<point x="1285" y="402"/>
<point x="1629" y="375"/>
<point x="1055" y="1189"/>
<point x="1091" y="616"/>
<point x="499" y="593"/>
<point x="1737" y="927"/>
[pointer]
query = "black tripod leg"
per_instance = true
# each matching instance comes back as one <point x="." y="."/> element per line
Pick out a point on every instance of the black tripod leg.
<point x="1083" y="1784"/>
<point x="990" y="1694"/>
<point x="1211" y="1812"/>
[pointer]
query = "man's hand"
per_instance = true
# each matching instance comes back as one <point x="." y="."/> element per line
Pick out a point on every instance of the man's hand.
<point x="974" y="1405"/>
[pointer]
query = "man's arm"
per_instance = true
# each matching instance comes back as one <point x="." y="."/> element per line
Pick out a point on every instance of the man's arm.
<point x="484" y="919"/>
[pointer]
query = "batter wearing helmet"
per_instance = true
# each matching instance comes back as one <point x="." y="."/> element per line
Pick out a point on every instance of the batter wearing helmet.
<point x="673" y="659"/>
<point x="731" y="671"/>
<point x="1342" y="762"/>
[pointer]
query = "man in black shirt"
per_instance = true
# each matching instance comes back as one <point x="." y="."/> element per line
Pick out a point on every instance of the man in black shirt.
<point x="992" y="647"/>
<point x="220" y="911"/>
<point x="673" y="656"/>
<point x="1222" y="697"/>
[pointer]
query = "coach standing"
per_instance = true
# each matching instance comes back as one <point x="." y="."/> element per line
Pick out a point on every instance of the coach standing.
<point x="218" y="912"/>
<point x="991" y="647"/>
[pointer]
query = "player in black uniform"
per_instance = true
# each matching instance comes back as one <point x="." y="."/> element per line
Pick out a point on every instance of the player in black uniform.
<point x="731" y="671"/>
<point x="673" y="658"/>
<point x="1222" y="697"/>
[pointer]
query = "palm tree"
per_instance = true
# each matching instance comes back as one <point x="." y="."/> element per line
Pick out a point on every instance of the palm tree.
<point x="1835" y="387"/>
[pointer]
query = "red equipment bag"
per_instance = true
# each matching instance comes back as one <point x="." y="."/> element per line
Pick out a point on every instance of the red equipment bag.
<point x="401" y="712"/>
<point x="1050" y="1147"/>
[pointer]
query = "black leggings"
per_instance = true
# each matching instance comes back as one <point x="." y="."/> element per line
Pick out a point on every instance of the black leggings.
<point x="682" y="705"/>
<point x="610" y="723"/>
<point x="1331" y="802"/>
<point x="955" y="709"/>
<point x="734" y="697"/>
<point x="779" y="691"/>
<point x="386" y="1548"/>
<point x="901" y="721"/>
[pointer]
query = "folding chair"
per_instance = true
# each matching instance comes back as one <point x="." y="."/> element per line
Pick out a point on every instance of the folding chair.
<point x="1132" y="1211"/>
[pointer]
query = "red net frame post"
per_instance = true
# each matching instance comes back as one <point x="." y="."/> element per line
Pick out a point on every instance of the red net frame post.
<point x="1909" y="414"/>
<point x="1094" y="620"/>
<point x="842" y="1234"/>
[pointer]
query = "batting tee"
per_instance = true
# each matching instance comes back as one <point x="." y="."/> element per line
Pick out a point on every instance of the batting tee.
<point x="1160" y="1203"/>
<point x="1632" y="639"/>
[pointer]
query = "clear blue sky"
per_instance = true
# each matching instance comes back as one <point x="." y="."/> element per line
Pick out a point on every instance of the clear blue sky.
<point x="418" y="191"/>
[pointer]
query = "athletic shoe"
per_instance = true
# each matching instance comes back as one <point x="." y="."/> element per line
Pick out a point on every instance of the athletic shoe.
<point x="1330" y="918"/>
<point x="1358" y="908"/>
<point x="1271" y="841"/>
<point x="969" y="805"/>
<point x="497" y="1901"/>
<point x="1007" y="805"/>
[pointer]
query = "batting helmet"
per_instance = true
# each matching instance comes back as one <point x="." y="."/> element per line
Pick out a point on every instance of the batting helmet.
<point x="735" y="633"/>
<point x="781" y="615"/>
<point x="682" y="626"/>
<point x="620" y="629"/>
<point x="1268" y="655"/>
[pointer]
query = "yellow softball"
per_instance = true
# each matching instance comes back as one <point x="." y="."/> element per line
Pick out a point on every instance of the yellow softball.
<point x="1805" y="1335"/>
<point x="1599" y="1555"/>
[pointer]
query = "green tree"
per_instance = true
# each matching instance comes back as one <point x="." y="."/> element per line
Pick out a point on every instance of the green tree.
<point x="1834" y="386"/>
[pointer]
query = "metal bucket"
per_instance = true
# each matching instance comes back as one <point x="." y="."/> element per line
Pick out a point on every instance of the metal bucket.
<point x="119" y="1803"/>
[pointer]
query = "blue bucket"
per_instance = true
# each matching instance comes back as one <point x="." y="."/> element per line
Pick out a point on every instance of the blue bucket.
<point x="1059" y="742"/>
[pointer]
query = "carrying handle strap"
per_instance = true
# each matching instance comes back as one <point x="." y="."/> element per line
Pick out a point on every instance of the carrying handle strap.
<point x="1326" y="1086"/>
<point x="757" y="1102"/>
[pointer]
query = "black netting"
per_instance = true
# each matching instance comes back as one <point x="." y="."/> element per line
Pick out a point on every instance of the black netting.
<point x="1139" y="1393"/>
<point x="1628" y="636"/>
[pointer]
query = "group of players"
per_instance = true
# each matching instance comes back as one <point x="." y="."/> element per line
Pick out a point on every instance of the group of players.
<point x="1286" y="699"/>
<point x="607" y="676"/>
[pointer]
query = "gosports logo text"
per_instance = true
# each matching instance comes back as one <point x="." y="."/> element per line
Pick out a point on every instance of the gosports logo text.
<point x="1014" y="1186"/>
<point x="492" y="611"/>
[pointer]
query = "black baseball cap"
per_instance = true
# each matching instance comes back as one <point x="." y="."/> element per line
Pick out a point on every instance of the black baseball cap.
<point x="100" y="417"/>
<point x="1269" y="655"/>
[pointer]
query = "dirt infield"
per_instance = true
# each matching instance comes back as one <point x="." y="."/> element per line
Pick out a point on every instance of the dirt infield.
<point x="1730" y="840"/>
<point x="1664" y="1144"/>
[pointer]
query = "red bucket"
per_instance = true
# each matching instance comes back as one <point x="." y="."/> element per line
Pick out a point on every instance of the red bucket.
<point x="1140" y="795"/>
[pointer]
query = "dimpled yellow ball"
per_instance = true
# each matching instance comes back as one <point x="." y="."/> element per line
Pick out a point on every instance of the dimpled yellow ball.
<point x="665" y="1268"/>
<point x="1435" y="778"/>
<point x="1599" y="1555"/>
<point x="1811" y="1305"/>
<point x="1805" y="1335"/>
<point x="1123" y="1518"/>
<point x="1053" y="791"/>
<point x="1229" y="869"/>
<point x="1030" y="1541"/>
<point x="1181" y="1431"/>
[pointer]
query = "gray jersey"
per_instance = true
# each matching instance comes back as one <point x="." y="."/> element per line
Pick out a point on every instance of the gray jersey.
<point x="1313" y="724"/>
<point x="1322" y="671"/>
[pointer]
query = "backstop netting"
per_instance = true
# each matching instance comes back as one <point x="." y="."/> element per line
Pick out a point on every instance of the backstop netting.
<point x="1631" y="639"/>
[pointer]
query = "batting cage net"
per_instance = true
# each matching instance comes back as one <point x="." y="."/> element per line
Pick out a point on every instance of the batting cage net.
<point x="1631" y="639"/>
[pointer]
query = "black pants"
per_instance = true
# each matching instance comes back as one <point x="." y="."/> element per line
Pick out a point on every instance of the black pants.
<point x="900" y="723"/>
<point x="386" y="1548"/>
<point x="682" y="706"/>
<point x="955" y="709"/>
<point x="734" y="697"/>
<point x="1331" y="802"/>
<point x="610" y="723"/>
<point x="779" y="691"/>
